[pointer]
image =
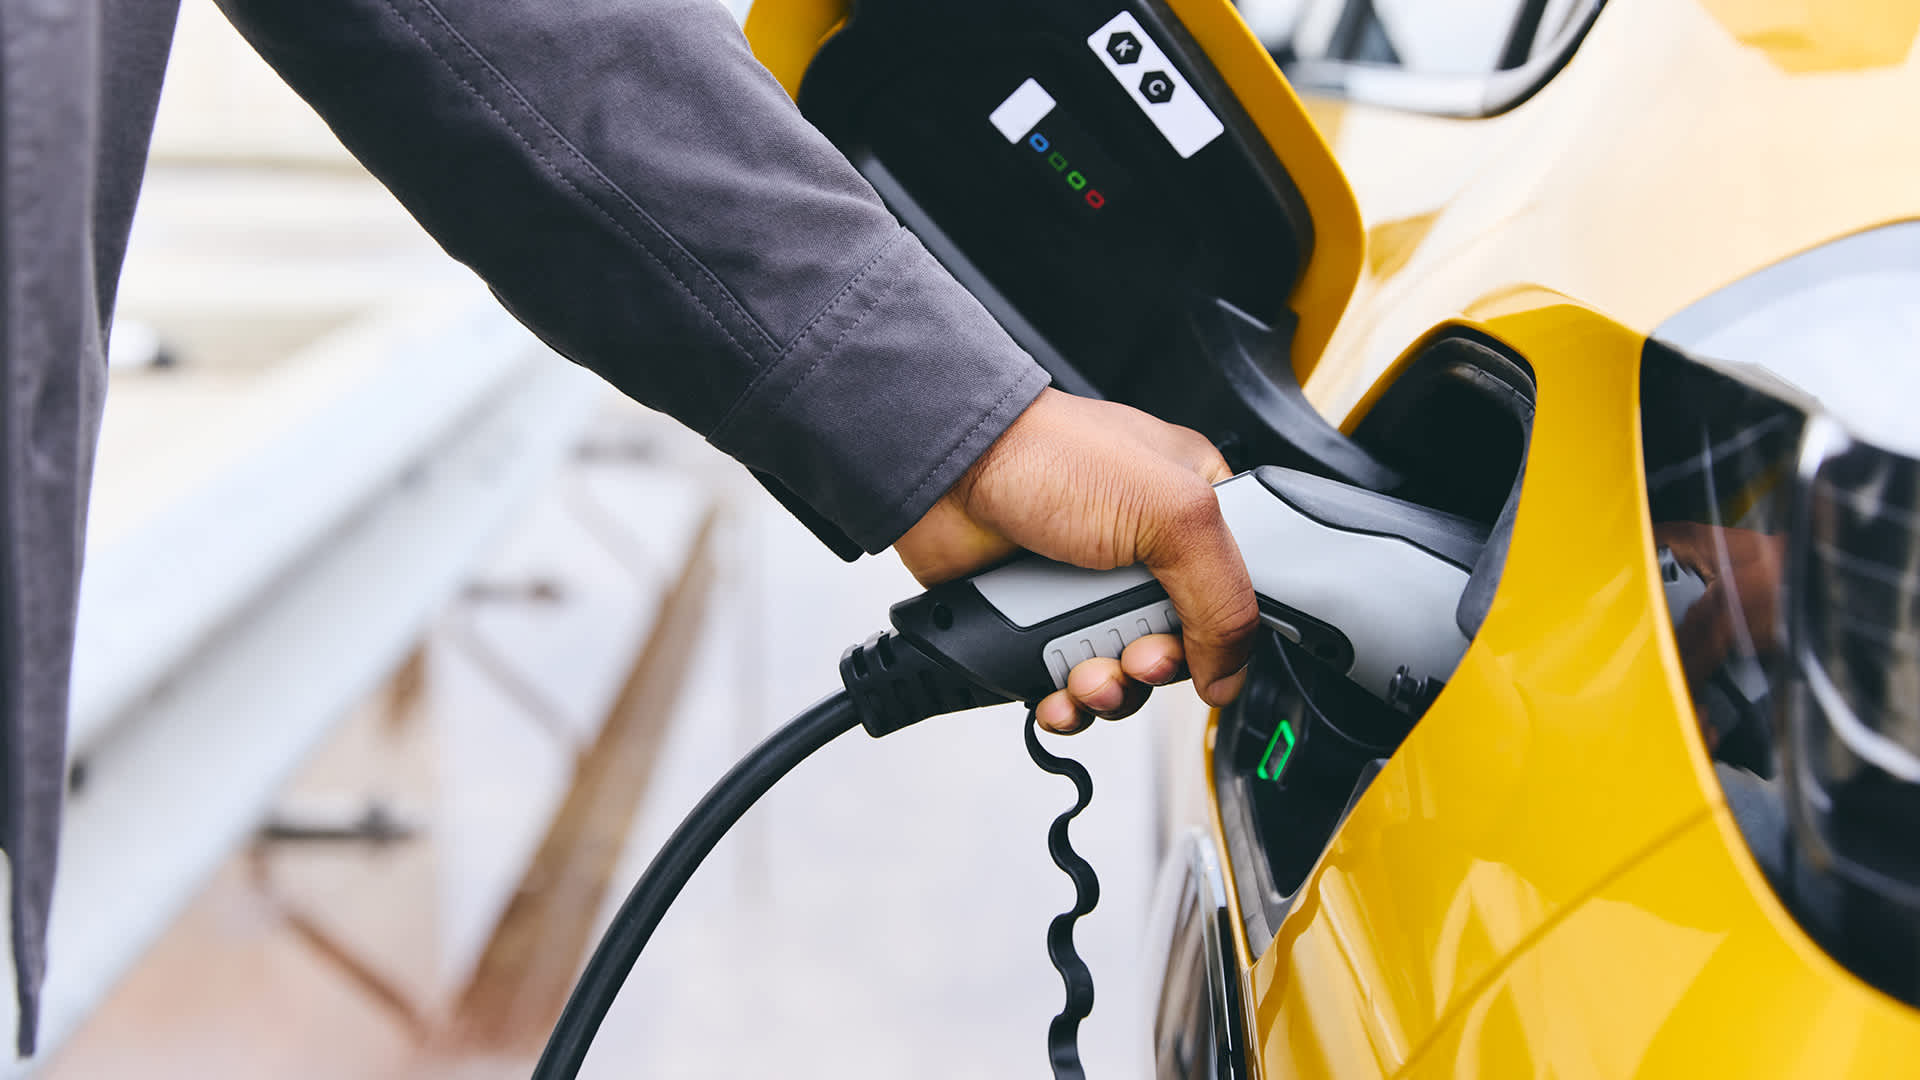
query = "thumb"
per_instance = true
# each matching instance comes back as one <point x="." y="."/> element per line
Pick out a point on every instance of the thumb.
<point x="1187" y="546"/>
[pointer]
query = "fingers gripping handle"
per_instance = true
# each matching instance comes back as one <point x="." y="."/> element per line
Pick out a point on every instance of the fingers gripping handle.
<point x="1108" y="638"/>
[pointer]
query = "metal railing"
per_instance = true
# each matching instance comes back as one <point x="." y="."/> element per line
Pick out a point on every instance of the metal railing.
<point x="221" y="643"/>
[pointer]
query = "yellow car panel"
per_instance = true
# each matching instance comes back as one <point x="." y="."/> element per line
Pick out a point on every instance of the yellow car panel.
<point x="1683" y="967"/>
<point x="1672" y="156"/>
<point x="1562" y="746"/>
<point x="1816" y="35"/>
<point x="1563" y="750"/>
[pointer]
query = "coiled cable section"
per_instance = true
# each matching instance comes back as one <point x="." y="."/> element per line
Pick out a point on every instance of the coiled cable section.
<point x="1063" y="1034"/>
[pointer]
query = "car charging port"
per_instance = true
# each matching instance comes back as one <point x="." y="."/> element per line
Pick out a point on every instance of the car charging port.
<point x="1295" y="753"/>
<point x="1304" y="736"/>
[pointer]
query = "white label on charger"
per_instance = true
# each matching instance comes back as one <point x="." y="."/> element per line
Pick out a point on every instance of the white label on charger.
<point x="1022" y="111"/>
<point x="1155" y="85"/>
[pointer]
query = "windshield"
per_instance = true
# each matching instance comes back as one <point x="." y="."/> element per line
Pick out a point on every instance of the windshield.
<point x="1463" y="37"/>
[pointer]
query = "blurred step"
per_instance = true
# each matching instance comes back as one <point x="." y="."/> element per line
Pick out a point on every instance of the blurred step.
<point x="474" y="760"/>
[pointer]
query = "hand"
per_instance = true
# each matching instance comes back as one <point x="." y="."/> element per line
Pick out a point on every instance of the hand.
<point x="1742" y="571"/>
<point x="1102" y="485"/>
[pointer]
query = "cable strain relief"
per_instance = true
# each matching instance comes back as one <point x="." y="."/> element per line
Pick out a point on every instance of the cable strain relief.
<point x="894" y="685"/>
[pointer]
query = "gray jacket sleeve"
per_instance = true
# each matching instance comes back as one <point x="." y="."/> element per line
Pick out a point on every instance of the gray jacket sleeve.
<point x="640" y="192"/>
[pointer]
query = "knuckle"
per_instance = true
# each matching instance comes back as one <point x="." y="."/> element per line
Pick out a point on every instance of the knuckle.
<point x="1232" y="615"/>
<point x="1221" y="617"/>
<point x="1192" y="510"/>
<point x="1201" y="449"/>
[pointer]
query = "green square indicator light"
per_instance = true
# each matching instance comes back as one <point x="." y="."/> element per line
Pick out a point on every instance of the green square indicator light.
<point x="1058" y="161"/>
<point x="1076" y="181"/>
<point x="1270" y="769"/>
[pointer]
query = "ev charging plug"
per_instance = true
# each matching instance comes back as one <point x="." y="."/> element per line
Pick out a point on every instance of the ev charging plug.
<point x="1366" y="583"/>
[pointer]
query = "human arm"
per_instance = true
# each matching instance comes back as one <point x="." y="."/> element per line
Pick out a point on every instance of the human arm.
<point x="643" y="195"/>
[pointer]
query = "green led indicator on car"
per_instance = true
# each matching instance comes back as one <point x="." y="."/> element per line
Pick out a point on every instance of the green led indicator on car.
<point x="1284" y="731"/>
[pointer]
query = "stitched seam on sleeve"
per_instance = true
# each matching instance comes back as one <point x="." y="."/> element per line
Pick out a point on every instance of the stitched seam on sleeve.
<point x="985" y="418"/>
<point x="873" y="305"/>
<point x="859" y="275"/>
<point x="806" y="331"/>
<point x="558" y="174"/>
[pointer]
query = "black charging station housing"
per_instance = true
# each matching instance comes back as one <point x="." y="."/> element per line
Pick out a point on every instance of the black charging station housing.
<point x="1129" y="271"/>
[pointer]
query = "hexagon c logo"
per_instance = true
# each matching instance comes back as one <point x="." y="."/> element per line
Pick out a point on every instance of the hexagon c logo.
<point x="1156" y="87"/>
<point x="1124" y="48"/>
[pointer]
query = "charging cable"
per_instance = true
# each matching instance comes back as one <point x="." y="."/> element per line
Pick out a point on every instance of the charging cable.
<point x="890" y="684"/>
<point x="683" y="853"/>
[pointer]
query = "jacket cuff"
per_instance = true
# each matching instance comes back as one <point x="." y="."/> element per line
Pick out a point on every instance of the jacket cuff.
<point x="885" y="398"/>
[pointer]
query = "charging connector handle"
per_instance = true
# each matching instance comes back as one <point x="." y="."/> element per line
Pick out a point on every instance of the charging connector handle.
<point x="894" y="683"/>
<point x="1367" y="583"/>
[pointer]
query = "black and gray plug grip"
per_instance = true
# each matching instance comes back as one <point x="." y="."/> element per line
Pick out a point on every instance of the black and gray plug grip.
<point x="1365" y="582"/>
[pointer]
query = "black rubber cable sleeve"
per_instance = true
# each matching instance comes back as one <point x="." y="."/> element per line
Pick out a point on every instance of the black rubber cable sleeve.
<point x="667" y="874"/>
<point x="1063" y="1035"/>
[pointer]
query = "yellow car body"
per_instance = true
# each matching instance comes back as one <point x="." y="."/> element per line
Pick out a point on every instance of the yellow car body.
<point x="1545" y="880"/>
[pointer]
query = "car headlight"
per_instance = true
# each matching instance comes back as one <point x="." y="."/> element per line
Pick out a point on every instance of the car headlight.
<point x="1783" y="471"/>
